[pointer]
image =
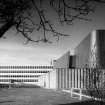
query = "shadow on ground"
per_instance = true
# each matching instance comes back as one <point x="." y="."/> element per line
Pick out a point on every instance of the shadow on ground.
<point x="88" y="102"/>
<point x="38" y="96"/>
<point x="6" y="101"/>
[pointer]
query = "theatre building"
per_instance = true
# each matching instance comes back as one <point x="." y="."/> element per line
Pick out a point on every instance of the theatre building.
<point x="70" y="71"/>
<point x="63" y="74"/>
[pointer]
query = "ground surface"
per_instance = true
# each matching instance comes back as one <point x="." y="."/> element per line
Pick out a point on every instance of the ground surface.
<point x="35" y="96"/>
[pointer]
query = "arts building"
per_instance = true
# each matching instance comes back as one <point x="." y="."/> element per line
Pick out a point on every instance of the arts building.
<point x="68" y="71"/>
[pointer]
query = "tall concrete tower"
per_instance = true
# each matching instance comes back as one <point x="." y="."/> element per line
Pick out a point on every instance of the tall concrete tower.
<point x="91" y="50"/>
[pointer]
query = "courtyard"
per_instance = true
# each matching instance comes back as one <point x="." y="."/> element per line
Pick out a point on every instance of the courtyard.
<point x="36" y="96"/>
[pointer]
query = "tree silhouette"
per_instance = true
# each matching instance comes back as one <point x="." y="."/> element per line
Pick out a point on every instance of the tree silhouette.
<point x="21" y="15"/>
<point x="95" y="78"/>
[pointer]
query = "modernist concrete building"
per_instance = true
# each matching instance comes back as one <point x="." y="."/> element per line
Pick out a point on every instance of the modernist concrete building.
<point x="66" y="72"/>
<point x="91" y="50"/>
<point x="63" y="75"/>
<point x="70" y="70"/>
<point x="22" y="74"/>
<point x="65" y="61"/>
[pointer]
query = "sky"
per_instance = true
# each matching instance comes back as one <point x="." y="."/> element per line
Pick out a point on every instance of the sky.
<point x="14" y="51"/>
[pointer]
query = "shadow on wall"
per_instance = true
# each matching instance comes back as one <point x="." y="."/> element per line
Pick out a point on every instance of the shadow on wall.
<point x="6" y="101"/>
<point x="87" y="102"/>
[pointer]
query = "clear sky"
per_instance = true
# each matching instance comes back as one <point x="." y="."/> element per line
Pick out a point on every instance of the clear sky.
<point x="13" y="51"/>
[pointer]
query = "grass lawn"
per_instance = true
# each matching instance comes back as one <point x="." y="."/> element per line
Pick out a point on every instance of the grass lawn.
<point x="37" y="96"/>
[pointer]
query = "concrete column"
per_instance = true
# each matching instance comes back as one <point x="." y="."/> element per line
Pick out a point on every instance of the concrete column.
<point x="49" y="79"/>
<point x="66" y="78"/>
<point x="60" y="80"/>
<point x="57" y="79"/>
<point x="64" y="82"/>
<point x="9" y="86"/>
<point x="72" y="78"/>
<point x="57" y="71"/>
<point x="69" y="78"/>
<point x="61" y="76"/>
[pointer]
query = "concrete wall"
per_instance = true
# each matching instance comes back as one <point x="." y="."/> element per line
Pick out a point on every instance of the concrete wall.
<point x="70" y="78"/>
<point x="48" y="80"/>
<point x="53" y="80"/>
<point x="59" y="75"/>
<point x="64" y="78"/>
<point x="41" y="81"/>
<point x="82" y="52"/>
<point x="91" y="50"/>
<point x="101" y="47"/>
<point x="63" y="61"/>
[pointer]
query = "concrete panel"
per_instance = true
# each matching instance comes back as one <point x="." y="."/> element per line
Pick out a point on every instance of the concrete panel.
<point x="41" y="81"/>
<point x="91" y="50"/>
<point x="47" y="80"/>
<point x="101" y="48"/>
<point x="63" y="61"/>
<point x="82" y="52"/>
<point x="53" y="79"/>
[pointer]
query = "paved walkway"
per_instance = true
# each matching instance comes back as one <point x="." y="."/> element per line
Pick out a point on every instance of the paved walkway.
<point x="34" y="96"/>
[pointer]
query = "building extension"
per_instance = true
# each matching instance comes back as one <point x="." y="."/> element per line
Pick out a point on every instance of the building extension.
<point x="22" y="75"/>
<point x="70" y="71"/>
<point x="91" y="50"/>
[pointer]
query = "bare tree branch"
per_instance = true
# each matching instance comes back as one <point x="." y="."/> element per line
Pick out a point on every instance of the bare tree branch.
<point x="22" y="14"/>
